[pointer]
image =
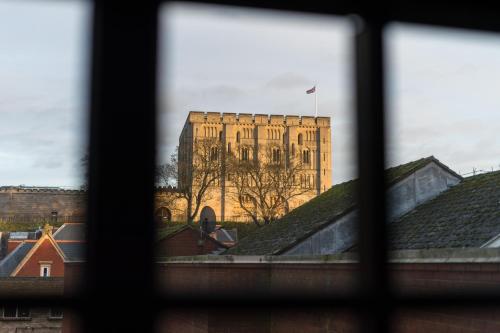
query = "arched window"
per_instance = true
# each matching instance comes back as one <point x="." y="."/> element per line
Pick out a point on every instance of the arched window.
<point x="214" y="152"/>
<point x="300" y="139"/>
<point x="276" y="155"/>
<point x="229" y="148"/>
<point x="220" y="135"/>
<point x="305" y="157"/>
<point x="244" y="154"/>
<point x="238" y="137"/>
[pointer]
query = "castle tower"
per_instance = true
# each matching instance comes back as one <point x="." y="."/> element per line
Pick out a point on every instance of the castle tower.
<point x="305" y="137"/>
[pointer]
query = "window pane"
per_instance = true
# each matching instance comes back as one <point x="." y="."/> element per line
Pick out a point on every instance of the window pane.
<point x="444" y="186"/>
<point x="44" y="48"/>
<point x="10" y="312"/>
<point x="244" y="83"/>
<point x="248" y="81"/>
<point x="23" y="312"/>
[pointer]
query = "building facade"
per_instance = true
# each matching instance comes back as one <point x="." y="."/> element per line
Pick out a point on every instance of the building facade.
<point x="248" y="136"/>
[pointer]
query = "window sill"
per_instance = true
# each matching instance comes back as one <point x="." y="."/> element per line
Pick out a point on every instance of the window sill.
<point x="54" y="318"/>
<point x="14" y="319"/>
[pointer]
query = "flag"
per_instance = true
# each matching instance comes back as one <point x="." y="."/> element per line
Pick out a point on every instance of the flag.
<point x="312" y="90"/>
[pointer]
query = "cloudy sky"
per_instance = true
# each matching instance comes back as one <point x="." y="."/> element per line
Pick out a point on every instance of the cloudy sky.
<point x="442" y="85"/>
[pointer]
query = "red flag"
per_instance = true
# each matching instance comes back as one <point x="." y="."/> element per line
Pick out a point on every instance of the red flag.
<point x="312" y="90"/>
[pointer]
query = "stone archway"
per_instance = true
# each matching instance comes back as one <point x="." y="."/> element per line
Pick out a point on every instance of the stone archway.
<point x="163" y="215"/>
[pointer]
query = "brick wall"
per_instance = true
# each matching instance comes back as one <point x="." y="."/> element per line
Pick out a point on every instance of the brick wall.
<point x="247" y="275"/>
<point x="186" y="243"/>
<point x="431" y="272"/>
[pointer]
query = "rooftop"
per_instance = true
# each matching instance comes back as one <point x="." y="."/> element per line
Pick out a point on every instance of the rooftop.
<point x="314" y="215"/>
<point x="466" y="215"/>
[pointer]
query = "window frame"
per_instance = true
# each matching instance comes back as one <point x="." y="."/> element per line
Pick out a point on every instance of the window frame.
<point x="125" y="36"/>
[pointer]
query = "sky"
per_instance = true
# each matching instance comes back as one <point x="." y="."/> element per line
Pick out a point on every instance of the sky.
<point x="441" y="96"/>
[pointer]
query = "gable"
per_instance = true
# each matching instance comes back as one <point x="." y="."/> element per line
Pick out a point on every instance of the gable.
<point x="44" y="251"/>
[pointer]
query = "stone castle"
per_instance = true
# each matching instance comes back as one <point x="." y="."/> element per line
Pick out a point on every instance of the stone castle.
<point x="307" y="137"/>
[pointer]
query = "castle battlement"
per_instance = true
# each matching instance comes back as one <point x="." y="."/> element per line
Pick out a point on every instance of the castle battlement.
<point x="256" y="119"/>
<point x="37" y="189"/>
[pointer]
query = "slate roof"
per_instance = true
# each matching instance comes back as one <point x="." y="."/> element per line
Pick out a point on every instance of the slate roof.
<point x="316" y="214"/>
<point x="71" y="231"/>
<point x="74" y="251"/>
<point x="466" y="215"/>
<point x="12" y="260"/>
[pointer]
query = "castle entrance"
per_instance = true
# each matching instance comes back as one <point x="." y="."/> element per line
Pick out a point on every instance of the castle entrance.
<point x="207" y="219"/>
<point x="163" y="215"/>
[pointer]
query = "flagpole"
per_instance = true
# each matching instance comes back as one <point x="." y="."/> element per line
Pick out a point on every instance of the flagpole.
<point x="316" y="102"/>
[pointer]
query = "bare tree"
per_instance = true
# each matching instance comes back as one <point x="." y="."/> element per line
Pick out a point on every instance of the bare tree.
<point x="196" y="171"/>
<point x="166" y="174"/>
<point x="265" y="182"/>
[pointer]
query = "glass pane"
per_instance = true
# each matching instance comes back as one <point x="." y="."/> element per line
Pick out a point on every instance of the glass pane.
<point x="23" y="312"/>
<point x="44" y="48"/>
<point x="10" y="312"/>
<point x="263" y="124"/>
<point x="444" y="184"/>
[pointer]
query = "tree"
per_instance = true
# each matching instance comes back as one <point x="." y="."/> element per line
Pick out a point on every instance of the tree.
<point x="166" y="174"/>
<point x="265" y="182"/>
<point x="196" y="170"/>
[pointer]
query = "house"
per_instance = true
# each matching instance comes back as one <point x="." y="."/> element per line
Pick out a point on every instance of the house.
<point x="327" y="224"/>
<point x="185" y="240"/>
<point x="45" y="256"/>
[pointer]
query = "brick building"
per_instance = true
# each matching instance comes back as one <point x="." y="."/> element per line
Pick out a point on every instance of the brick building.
<point x="46" y="256"/>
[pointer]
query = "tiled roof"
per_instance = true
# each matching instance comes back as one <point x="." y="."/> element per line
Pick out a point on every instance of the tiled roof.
<point x="466" y="215"/>
<point x="74" y="251"/>
<point x="12" y="260"/>
<point x="71" y="231"/>
<point x="315" y="214"/>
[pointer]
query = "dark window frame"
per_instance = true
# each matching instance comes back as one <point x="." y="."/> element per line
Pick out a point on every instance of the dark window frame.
<point x="125" y="37"/>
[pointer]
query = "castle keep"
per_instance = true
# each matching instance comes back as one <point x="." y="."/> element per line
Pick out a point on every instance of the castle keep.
<point x="306" y="137"/>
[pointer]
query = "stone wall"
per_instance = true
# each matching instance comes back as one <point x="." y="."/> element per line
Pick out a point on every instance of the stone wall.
<point x="27" y="205"/>
<point x="39" y="322"/>
<point x="22" y="205"/>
